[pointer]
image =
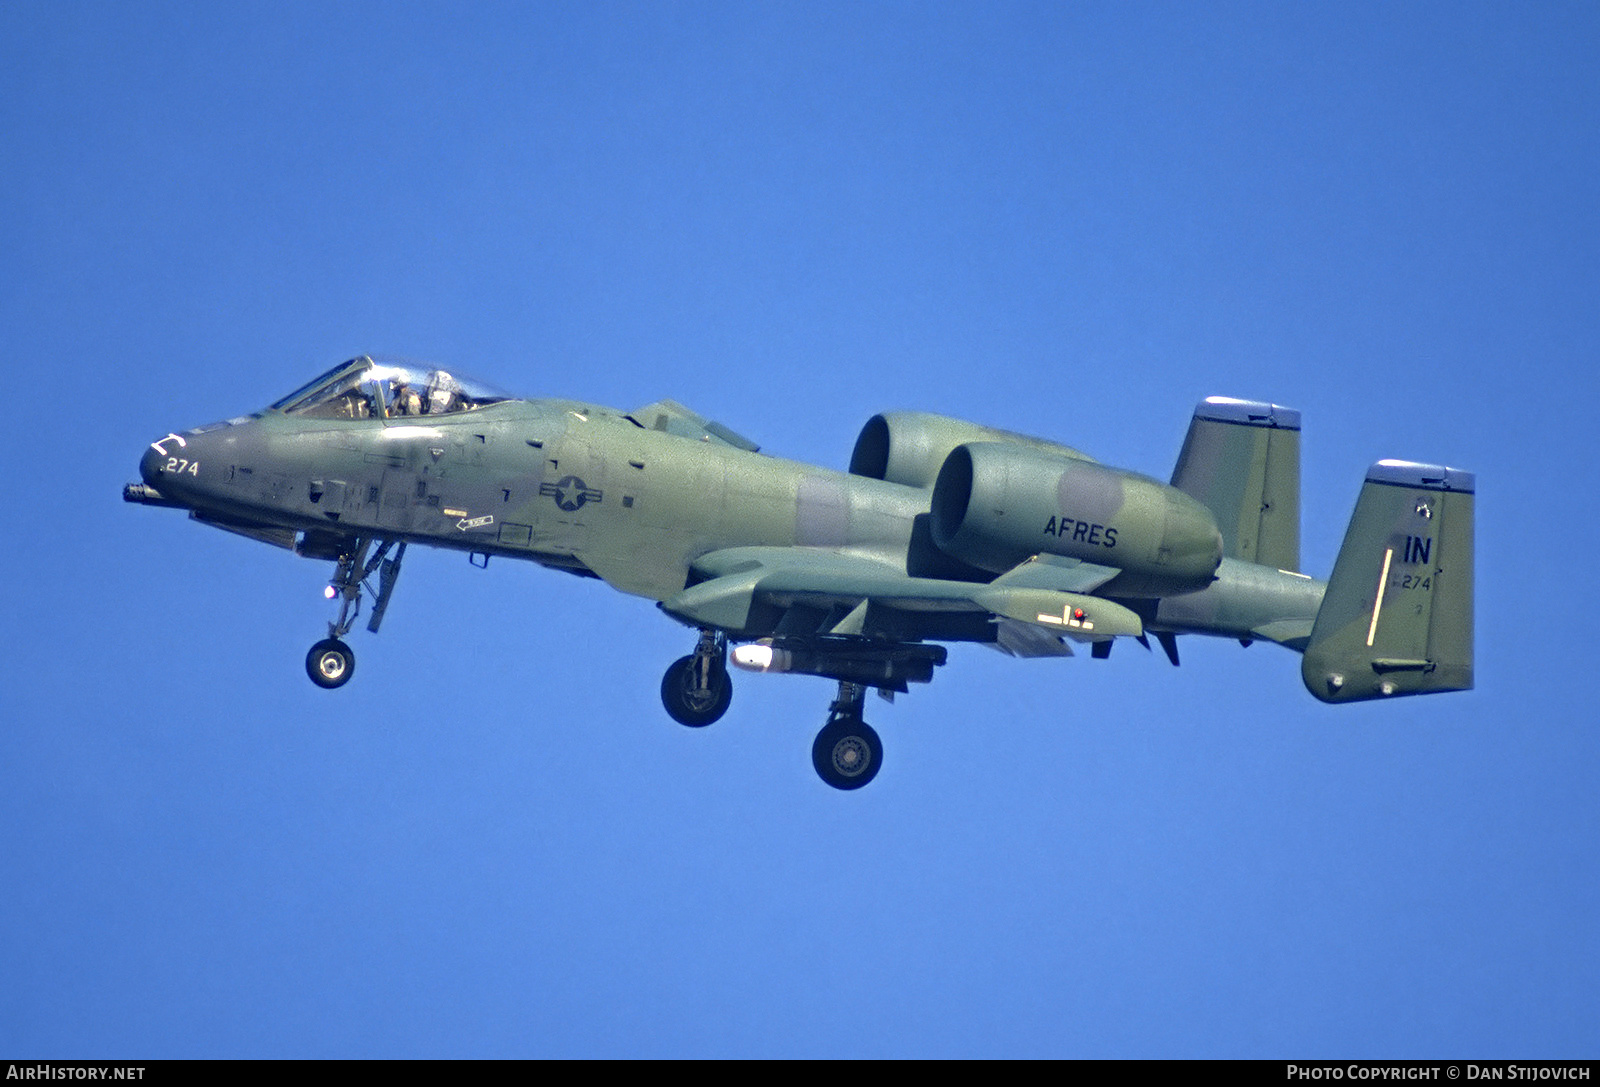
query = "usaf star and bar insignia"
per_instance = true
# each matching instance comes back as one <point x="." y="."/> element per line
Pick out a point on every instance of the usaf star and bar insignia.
<point x="570" y="493"/>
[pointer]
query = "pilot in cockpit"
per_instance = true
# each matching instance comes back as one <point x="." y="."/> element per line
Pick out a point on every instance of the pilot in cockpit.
<point x="442" y="394"/>
<point x="362" y="389"/>
<point x="406" y="400"/>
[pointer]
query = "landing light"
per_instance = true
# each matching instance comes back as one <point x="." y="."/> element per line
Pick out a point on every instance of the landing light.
<point x="330" y="592"/>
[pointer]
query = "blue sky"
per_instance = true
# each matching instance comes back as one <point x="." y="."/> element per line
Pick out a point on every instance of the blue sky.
<point x="1069" y="220"/>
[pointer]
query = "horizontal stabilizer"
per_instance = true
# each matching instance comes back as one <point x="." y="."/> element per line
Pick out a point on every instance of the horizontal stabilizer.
<point x="1241" y="460"/>
<point x="1397" y="616"/>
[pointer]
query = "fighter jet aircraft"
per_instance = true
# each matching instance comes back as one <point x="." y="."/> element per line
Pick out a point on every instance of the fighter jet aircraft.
<point x="941" y="531"/>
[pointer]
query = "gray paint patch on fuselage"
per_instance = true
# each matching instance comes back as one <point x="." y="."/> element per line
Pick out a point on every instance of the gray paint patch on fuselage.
<point x="822" y="513"/>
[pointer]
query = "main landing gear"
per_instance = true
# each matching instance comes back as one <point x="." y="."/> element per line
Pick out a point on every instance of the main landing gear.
<point x="847" y="752"/>
<point x="697" y="689"/>
<point x="331" y="662"/>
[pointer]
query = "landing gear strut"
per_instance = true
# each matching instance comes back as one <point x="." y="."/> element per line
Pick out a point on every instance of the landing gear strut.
<point x="847" y="752"/>
<point x="697" y="689"/>
<point x="331" y="662"/>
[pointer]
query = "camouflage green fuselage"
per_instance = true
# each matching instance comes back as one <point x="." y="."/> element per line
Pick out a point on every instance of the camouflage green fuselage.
<point x="587" y="489"/>
<point x="941" y="530"/>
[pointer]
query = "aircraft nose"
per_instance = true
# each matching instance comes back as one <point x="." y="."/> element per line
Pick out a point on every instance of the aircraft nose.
<point x="150" y="465"/>
<point x="171" y="464"/>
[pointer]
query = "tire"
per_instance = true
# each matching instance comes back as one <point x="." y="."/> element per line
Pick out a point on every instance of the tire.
<point x="330" y="663"/>
<point x="847" y="753"/>
<point x="688" y="706"/>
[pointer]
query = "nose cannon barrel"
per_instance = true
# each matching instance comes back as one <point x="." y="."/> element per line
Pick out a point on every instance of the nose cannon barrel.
<point x="145" y="495"/>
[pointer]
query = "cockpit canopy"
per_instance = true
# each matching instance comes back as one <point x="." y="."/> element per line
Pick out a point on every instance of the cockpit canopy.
<point x="368" y="388"/>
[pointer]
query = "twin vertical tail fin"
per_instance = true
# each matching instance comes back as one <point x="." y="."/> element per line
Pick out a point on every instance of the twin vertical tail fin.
<point x="1241" y="460"/>
<point x="1397" y="615"/>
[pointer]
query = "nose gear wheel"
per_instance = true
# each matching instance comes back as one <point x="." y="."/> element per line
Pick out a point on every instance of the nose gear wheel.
<point x="330" y="663"/>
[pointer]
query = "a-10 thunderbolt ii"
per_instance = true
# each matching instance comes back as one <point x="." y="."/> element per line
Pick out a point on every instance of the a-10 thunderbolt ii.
<point x="941" y="531"/>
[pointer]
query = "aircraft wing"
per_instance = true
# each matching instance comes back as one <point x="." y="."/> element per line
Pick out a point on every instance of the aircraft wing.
<point x="804" y="592"/>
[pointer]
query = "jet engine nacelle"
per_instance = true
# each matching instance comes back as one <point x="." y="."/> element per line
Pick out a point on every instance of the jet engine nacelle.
<point x="907" y="447"/>
<point x="997" y="504"/>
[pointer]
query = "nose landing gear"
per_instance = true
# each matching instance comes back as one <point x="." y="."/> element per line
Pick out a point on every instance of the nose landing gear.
<point x="331" y="662"/>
